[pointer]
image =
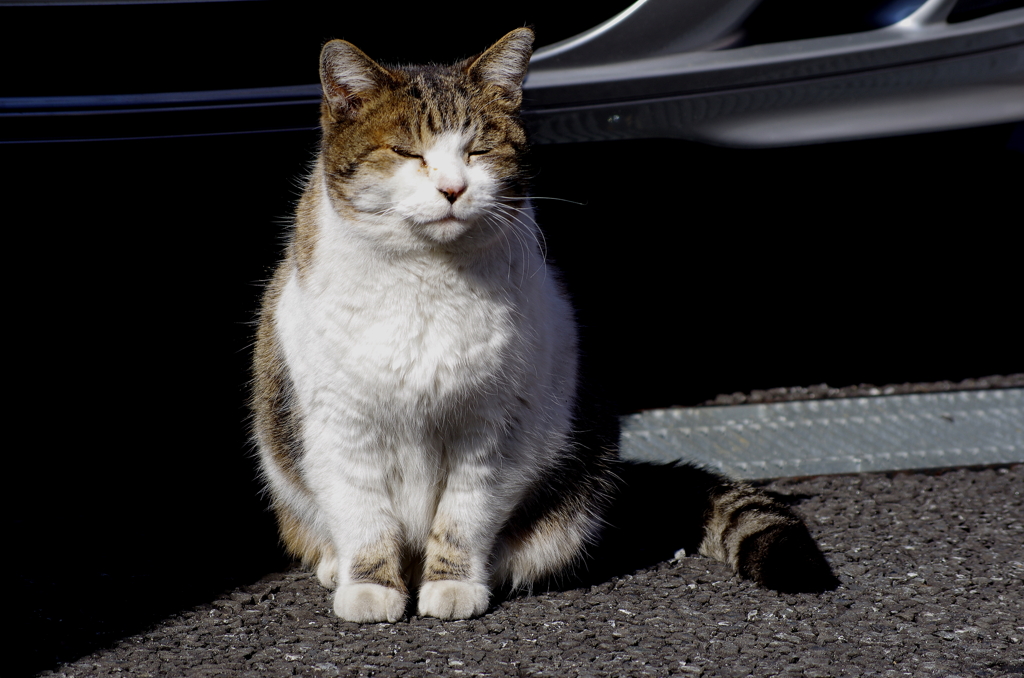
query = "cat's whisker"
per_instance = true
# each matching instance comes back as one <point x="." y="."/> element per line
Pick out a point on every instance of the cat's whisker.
<point x="544" y="197"/>
<point x="490" y="219"/>
<point x="524" y="244"/>
<point x="513" y="221"/>
<point x="534" y="232"/>
<point x="387" y="211"/>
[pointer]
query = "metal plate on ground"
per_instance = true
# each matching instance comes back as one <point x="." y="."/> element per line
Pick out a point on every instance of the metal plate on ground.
<point x="846" y="435"/>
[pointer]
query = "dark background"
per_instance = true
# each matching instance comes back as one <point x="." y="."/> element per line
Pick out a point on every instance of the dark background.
<point x="135" y="269"/>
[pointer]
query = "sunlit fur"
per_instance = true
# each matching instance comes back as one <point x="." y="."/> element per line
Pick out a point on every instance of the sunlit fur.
<point x="416" y="362"/>
<point x="416" y="359"/>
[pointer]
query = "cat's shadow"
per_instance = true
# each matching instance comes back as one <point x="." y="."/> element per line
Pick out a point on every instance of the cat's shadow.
<point x="660" y="510"/>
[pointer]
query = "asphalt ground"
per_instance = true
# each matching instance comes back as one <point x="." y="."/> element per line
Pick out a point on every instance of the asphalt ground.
<point x="931" y="569"/>
<point x="930" y="566"/>
<point x="131" y="494"/>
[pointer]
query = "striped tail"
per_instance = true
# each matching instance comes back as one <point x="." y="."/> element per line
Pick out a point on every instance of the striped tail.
<point x="763" y="540"/>
<point x="664" y="508"/>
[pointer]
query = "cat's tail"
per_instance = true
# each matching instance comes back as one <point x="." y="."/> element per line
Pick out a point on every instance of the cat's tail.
<point x="664" y="508"/>
<point x="763" y="540"/>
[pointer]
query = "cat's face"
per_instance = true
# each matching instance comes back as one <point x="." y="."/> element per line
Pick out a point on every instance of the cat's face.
<point x="422" y="156"/>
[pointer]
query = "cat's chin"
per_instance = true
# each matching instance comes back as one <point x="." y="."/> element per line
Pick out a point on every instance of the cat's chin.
<point x="444" y="231"/>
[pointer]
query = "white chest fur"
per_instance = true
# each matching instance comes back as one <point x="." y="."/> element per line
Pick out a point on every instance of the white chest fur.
<point x="411" y="332"/>
<point x="424" y="338"/>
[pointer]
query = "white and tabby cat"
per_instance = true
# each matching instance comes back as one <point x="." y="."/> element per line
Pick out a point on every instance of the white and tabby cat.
<point x="416" y="361"/>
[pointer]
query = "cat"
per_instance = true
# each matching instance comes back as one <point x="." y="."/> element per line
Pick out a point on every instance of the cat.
<point x="415" y="399"/>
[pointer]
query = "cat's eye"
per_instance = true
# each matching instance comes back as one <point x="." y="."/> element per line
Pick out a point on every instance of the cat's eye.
<point x="482" y="151"/>
<point x="405" y="153"/>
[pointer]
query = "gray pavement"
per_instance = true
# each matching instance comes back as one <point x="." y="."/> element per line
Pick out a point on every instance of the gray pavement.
<point x="930" y="563"/>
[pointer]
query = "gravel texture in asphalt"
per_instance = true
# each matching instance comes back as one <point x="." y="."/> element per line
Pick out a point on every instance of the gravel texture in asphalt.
<point x="930" y="564"/>
<point x="824" y="391"/>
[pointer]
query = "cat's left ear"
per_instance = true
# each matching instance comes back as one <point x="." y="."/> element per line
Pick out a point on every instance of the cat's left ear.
<point x="504" y="64"/>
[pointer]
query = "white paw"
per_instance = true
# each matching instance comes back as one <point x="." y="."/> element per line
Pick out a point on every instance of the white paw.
<point x="453" y="599"/>
<point x="327" y="571"/>
<point x="368" y="603"/>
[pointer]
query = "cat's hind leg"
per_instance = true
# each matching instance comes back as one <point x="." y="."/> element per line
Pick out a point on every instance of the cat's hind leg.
<point x="560" y="516"/>
<point x="296" y="514"/>
<point x="314" y="550"/>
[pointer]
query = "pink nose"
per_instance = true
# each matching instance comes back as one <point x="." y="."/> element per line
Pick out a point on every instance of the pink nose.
<point x="452" y="191"/>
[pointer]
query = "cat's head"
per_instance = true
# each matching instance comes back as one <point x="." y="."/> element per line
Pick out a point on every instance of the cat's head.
<point x="429" y="154"/>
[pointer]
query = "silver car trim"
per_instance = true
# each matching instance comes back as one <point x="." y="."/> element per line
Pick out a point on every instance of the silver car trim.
<point x="921" y="74"/>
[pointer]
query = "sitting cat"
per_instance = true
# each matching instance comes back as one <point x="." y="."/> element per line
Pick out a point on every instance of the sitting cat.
<point x="415" y="369"/>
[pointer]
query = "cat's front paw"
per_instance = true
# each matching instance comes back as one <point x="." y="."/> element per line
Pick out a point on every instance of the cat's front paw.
<point x="453" y="599"/>
<point x="369" y="603"/>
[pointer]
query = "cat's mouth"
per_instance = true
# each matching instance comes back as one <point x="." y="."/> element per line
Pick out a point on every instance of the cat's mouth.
<point x="446" y="229"/>
<point x="452" y="222"/>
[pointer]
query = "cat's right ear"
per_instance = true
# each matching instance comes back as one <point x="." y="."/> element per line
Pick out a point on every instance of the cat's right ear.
<point x="347" y="77"/>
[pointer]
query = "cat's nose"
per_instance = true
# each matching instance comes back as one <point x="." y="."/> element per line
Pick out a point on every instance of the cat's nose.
<point x="452" y="191"/>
